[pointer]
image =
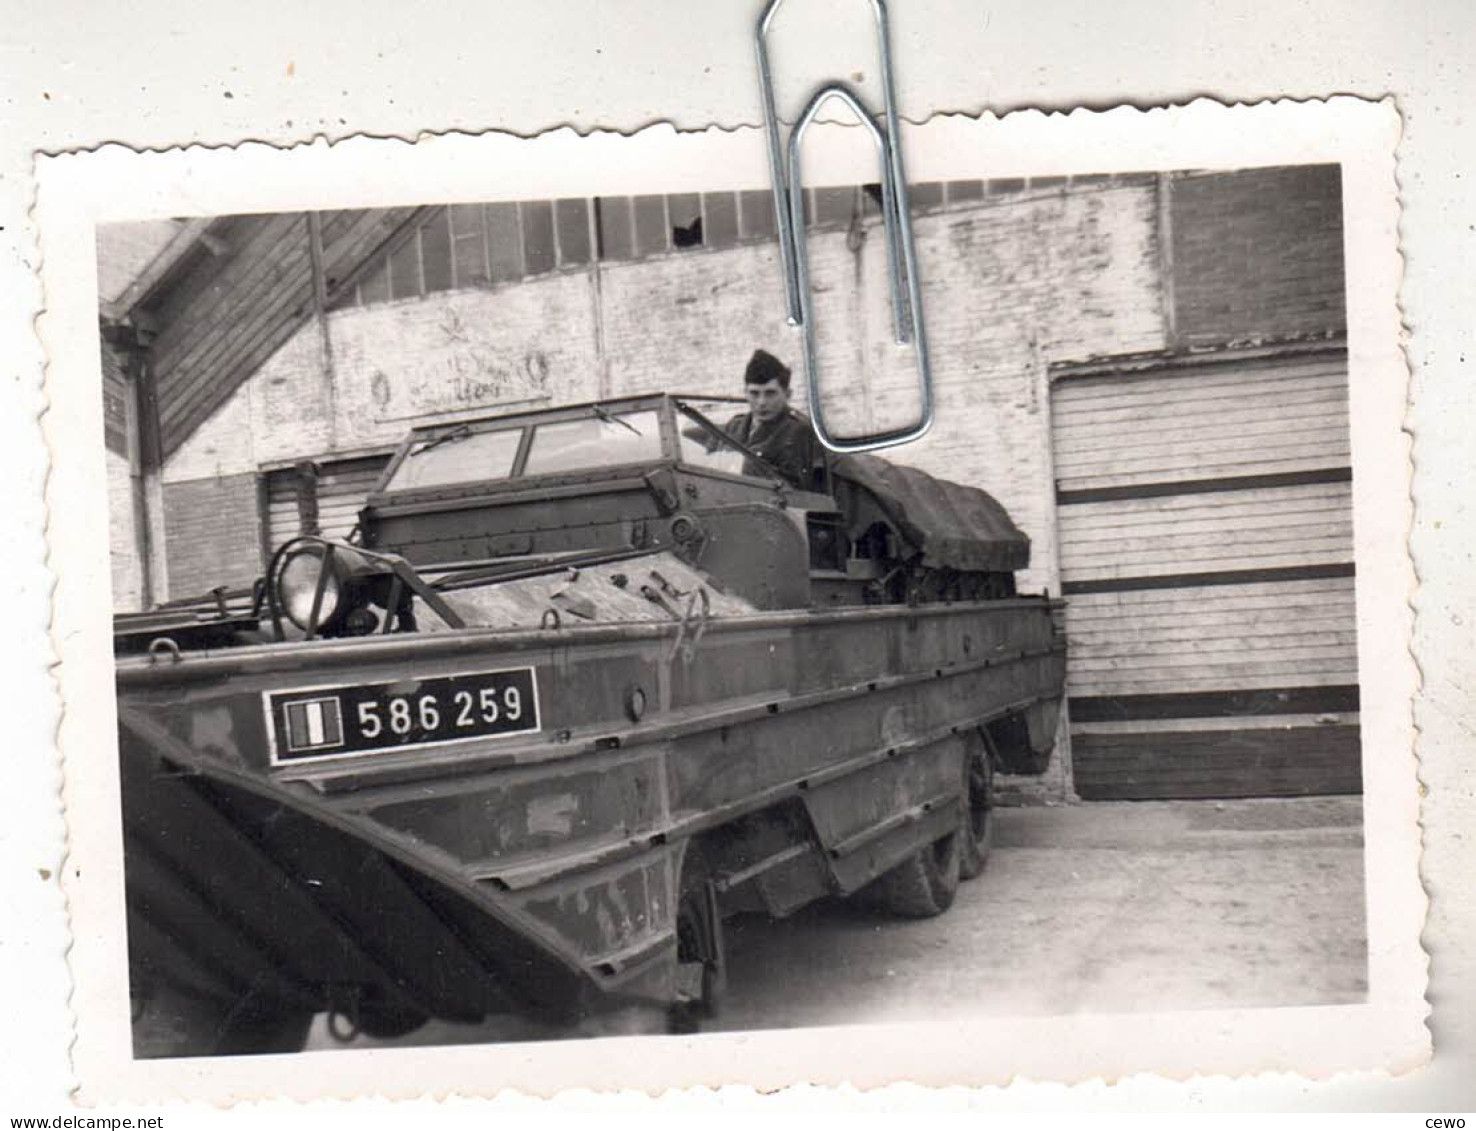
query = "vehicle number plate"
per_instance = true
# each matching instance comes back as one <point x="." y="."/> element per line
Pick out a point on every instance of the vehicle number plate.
<point x="330" y="722"/>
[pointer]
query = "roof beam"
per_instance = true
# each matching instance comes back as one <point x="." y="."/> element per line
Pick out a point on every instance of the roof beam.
<point x="191" y="232"/>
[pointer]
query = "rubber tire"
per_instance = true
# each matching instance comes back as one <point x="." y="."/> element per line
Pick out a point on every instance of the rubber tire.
<point x="687" y="1017"/>
<point x="978" y="830"/>
<point x="388" y="1024"/>
<point x="170" y="1023"/>
<point x="925" y="884"/>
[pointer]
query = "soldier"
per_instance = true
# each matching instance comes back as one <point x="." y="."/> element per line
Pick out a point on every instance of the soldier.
<point x="771" y="428"/>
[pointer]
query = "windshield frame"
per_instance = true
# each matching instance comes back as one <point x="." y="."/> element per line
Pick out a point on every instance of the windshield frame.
<point x="681" y="406"/>
<point x="528" y="421"/>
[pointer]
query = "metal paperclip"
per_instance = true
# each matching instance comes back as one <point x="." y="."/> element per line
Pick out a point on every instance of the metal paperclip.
<point x="789" y="210"/>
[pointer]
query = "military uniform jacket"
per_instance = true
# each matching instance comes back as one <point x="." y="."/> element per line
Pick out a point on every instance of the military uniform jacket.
<point x="787" y="442"/>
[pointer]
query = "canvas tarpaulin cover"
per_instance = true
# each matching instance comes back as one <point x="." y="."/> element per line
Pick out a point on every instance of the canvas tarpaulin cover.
<point x="954" y="527"/>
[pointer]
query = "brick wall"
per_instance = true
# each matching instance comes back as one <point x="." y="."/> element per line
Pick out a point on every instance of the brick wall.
<point x="1009" y="286"/>
<point x="127" y="571"/>
<point x="211" y="531"/>
<point x="1257" y="255"/>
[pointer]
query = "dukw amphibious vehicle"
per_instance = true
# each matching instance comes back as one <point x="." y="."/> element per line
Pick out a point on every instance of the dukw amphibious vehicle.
<point x="583" y="683"/>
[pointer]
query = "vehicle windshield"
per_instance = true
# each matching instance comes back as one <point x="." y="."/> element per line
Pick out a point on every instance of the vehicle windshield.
<point x="704" y="443"/>
<point x="459" y="455"/>
<point x="475" y="453"/>
<point x="601" y="439"/>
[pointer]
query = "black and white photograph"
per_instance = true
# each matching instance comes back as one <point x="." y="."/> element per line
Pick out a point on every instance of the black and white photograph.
<point x="791" y="606"/>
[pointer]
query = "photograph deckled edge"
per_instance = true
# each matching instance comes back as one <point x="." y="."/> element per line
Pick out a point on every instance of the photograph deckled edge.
<point x="1360" y="135"/>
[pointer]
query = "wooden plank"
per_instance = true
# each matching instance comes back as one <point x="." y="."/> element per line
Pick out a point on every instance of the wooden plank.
<point x="282" y="269"/>
<point x="1315" y="433"/>
<point x="337" y="224"/>
<point x="1179" y="561"/>
<point x="180" y="245"/>
<point x="1283" y="461"/>
<point x="1208" y="374"/>
<point x="1089" y="420"/>
<point x="1320" y="674"/>
<point x="200" y="307"/>
<point x="1078" y="615"/>
<point x="1231" y="676"/>
<point x="1186" y="490"/>
<point x="1249" y="656"/>
<point x="1218" y="722"/>
<point x="282" y="511"/>
<point x="1134" y="638"/>
<point x="1208" y="527"/>
<point x="1208" y="579"/>
<point x="1211" y="619"/>
<point x="343" y="488"/>
<point x="1311" y="590"/>
<point x="214" y="386"/>
<point x="1333" y="612"/>
<point x="1185" y="507"/>
<point x="1231" y="669"/>
<point x="1105" y="415"/>
<point x="1278" y="761"/>
<point x="1176" y="446"/>
<point x="283" y="285"/>
<point x="1160" y="469"/>
<point x="374" y="233"/>
<point x="1197" y="569"/>
<point x="1248" y="406"/>
<point x="1269" y="706"/>
<point x="1191" y="449"/>
<point x="278" y="312"/>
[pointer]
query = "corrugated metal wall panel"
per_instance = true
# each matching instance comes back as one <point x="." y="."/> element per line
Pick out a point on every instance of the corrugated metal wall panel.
<point x="1205" y="531"/>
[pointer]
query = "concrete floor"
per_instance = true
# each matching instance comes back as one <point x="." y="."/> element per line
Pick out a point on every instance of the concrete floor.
<point x="1083" y="908"/>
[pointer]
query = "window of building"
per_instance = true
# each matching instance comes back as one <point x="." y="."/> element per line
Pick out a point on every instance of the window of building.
<point x="926" y="196"/>
<point x="571" y="219"/>
<point x="504" y="241"/>
<point x="756" y="215"/>
<point x="650" y="225"/>
<point x="831" y="207"/>
<point x="540" y="255"/>
<point x="465" y="246"/>
<point x="719" y="219"/>
<point x="684" y="217"/>
<point x="615" y="222"/>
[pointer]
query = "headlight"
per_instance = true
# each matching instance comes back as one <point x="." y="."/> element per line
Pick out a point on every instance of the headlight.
<point x="344" y="581"/>
<point x="297" y="587"/>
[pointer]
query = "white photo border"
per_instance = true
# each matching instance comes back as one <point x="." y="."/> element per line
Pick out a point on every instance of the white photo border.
<point x="77" y="192"/>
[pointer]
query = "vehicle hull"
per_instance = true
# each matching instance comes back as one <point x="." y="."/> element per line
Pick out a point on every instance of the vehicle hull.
<point x="807" y="752"/>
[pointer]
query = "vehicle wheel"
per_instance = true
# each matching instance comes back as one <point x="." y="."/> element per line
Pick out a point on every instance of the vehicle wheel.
<point x="387" y="1024"/>
<point x="925" y="883"/>
<point x="978" y="829"/>
<point x="701" y="968"/>
<point x="169" y="1022"/>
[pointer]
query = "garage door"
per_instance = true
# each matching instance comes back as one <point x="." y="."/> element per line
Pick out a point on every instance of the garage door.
<point x="1205" y="522"/>
<point x="341" y="487"/>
